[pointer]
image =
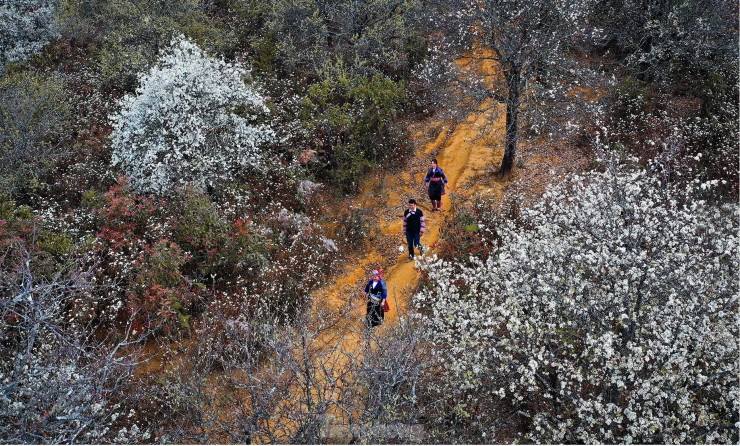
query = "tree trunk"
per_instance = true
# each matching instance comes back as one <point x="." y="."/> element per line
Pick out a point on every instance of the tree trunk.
<point x="512" y="122"/>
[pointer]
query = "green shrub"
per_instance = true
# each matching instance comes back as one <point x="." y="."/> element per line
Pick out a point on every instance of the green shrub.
<point x="33" y="110"/>
<point x="215" y="247"/>
<point x="25" y="236"/>
<point x="57" y="244"/>
<point x="352" y="117"/>
<point x="198" y="223"/>
<point x="461" y="235"/>
<point x="160" y="291"/>
<point x="92" y="199"/>
<point x="128" y="35"/>
<point x="631" y="98"/>
<point x="357" y="226"/>
<point x="266" y="54"/>
<point x="416" y="51"/>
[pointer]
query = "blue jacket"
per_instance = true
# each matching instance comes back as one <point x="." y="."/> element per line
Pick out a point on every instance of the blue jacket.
<point x="379" y="291"/>
<point x="436" y="174"/>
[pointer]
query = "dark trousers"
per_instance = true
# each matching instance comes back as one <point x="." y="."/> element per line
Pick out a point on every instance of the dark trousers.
<point x="413" y="239"/>
<point x="375" y="314"/>
<point x="435" y="191"/>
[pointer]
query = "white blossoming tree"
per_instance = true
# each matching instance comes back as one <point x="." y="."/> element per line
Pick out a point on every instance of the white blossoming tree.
<point x="607" y="314"/>
<point x="192" y="120"/>
<point x="26" y="26"/>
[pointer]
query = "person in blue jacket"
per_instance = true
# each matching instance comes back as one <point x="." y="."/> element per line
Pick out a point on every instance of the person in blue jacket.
<point x="437" y="180"/>
<point x="377" y="293"/>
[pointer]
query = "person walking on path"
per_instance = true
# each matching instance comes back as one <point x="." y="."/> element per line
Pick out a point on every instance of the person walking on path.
<point x="437" y="180"/>
<point x="377" y="293"/>
<point x="413" y="227"/>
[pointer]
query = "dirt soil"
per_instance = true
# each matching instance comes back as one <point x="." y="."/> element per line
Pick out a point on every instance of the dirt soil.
<point x="469" y="152"/>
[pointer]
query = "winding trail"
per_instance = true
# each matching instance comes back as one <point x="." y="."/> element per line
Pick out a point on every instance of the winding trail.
<point x="468" y="152"/>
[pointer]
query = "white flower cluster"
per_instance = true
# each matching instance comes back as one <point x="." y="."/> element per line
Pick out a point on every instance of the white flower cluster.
<point x="26" y="26"/>
<point x="191" y="121"/>
<point x="58" y="384"/>
<point x="608" y="314"/>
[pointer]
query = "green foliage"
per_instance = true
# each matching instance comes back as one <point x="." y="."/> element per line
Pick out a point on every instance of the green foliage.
<point x="266" y="54"/>
<point x="462" y="235"/>
<point x="416" y="50"/>
<point x="358" y="226"/>
<point x="353" y="118"/>
<point x="6" y="208"/>
<point x="197" y="221"/>
<point x="33" y="110"/>
<point x="24" y="233"/>
<point x="57" y="244"/>
<point x="471" y="228"/>
<point x="246" y="18"/>
<point x="216" y="248"/>
<point x="369" y="36"/>
<point x="163" y="265"/>
<point x="631" y="98"/>
<point x="161" y="292"/>
<point x="130" y="34"/>
<point x="92" y="199"/>
<point x="10" y="212"/>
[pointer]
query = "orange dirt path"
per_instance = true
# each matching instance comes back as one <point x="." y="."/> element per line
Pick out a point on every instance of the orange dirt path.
<point x="467" y="151"/>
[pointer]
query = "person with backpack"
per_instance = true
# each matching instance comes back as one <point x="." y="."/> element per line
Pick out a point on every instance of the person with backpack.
<point x="413" y="227"/>
<point x="377" y="293"/>
<point x="437" y="180"/>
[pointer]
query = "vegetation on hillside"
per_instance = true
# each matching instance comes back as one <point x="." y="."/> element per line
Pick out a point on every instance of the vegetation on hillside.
<point x="169" y="173"/>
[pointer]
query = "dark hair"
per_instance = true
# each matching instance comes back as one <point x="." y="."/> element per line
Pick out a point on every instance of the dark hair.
<point x="435" y="161"/>
<point x="412" y="201"/>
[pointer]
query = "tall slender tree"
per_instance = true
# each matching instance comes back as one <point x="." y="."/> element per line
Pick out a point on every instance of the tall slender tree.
<point x="530" y="41"/>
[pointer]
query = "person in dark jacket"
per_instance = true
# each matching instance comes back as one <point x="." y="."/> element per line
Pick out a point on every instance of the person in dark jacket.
<point x="377" y="293"/>
<point x="413" y="227"/>
<point x="437" y="180"/>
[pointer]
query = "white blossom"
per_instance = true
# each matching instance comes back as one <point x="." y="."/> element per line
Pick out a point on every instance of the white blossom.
<point x="26" y="26"/>
<point x="612" y="303"/>
<point x="191" y="121"/>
